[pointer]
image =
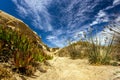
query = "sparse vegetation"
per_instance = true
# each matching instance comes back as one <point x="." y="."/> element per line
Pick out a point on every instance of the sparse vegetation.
<point x="93" y="49"/>
<point x="115" y="28"/>
<point x="99" y="54"/>
<point x="78" y="50"/>
<point x="20" y="49"/>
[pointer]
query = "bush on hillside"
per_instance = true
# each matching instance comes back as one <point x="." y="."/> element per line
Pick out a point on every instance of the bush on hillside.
<point x="21" y="49"/>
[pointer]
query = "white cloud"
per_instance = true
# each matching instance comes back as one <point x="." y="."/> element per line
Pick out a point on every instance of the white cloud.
<point x="22" y="11"/>
<point x="100" y="17"/>
<point x="116" y="2"/>
<point x="103" y="17"/>
<point x="75" y="19"/>
<point x="94" y="23"/>
<point x="64" y="35"/>
<point x="58" y="42"/>
<point x="101" y="13"/>
<point x="37" y="11"/>
<point x="80" y="16"/>
<point x="117" y="19"/>
<point x="59" y="32"/>
<point x="79" y="34"/>
<point x="50" y="37"/>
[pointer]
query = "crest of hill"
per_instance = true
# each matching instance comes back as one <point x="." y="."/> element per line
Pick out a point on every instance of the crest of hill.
<point x="74" y="49"/>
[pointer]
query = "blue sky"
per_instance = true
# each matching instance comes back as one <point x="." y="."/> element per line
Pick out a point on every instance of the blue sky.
<point x="57" y="21"/>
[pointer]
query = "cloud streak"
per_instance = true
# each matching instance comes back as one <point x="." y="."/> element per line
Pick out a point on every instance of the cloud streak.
<point x="116" y="2"/>
<point x="56" y="41"/>
<point x="65" y="19"/>
<point x="37" y="11"/>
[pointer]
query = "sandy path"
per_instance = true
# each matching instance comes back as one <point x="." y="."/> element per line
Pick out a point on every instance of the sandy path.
<point x="63" y="68"/>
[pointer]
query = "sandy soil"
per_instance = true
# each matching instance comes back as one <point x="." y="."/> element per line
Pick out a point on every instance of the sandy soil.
<point x="64" y="68"/>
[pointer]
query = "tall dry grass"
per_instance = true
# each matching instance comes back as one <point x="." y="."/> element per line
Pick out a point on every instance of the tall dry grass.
<point x="115" y="28"/>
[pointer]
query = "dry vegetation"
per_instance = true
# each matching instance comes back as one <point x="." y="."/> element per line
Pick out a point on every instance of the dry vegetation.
<point x="115" y="28"/>
<point x="94" y="50"/>
<point x="5" y="73"/>
<point x="19" y="49"/>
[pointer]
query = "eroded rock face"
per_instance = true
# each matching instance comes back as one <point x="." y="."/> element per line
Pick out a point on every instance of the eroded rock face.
<point x="7" y="20"/>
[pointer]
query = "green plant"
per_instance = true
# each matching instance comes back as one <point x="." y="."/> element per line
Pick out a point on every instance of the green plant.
<point x="5" y="46"/>
<point x="39" y="56"/>
<point x="23" y="54"/>
<point x="21" y="49"/>
<point x="99" y="54"/>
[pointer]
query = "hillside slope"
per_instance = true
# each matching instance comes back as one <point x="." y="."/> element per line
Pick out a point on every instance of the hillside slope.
<point x="10" y="21"/>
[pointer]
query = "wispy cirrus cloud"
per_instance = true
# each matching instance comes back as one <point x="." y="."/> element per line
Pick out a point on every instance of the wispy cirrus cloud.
<point x="57" y="41"/>
<point x="116" y="2"/>
<point x="116" y="19"/>
<point x="100" y="18"/>
<point x="85" y="11"/>
<point x="79" y="15"/>
<point x="36" y="10"/>
<point x="104" y="16"/>
<point x="65" y="19"/>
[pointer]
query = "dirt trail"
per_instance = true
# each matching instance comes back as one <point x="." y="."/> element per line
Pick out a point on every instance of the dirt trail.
<point x="64" y="68"/>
